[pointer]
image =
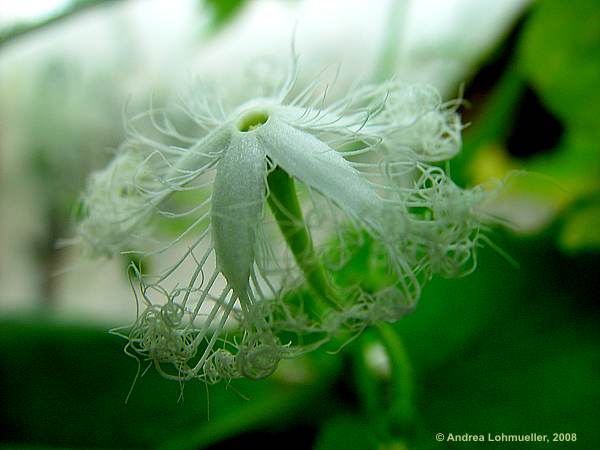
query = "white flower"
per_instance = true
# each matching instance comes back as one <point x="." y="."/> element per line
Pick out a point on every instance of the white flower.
<point x="338" y="179"/>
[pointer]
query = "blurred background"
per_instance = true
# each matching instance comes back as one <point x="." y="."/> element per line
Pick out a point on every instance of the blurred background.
<point x="504" y="350"/>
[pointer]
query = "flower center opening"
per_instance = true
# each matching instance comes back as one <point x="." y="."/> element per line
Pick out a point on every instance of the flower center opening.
<point x="252" y="120"/>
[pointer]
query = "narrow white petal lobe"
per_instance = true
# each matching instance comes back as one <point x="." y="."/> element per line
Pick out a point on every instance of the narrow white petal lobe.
<point x="319" y="166"/>
<point x="237" y="204"/>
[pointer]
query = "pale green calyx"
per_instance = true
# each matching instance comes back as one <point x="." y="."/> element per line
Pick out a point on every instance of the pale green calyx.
<point x="281" y="191"/>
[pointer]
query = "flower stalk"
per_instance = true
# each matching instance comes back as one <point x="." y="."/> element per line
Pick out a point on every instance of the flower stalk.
<point x="284" y="204"/>
<point x="402" y="405"/>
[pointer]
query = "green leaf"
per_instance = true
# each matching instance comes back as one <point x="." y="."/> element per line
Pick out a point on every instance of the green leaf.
<point x="453" y="312"/>
<point x="574" y="166"/>
<point x="346" y="432"/>
<point x="582" y="229"/>
<point x="560" y="53"/>
<point x="508" y="351"/>
<point x="65" y="385"/>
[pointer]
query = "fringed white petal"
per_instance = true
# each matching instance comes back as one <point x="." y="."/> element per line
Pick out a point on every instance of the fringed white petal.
<point x="120" y="198"/>
<point x="415" y="118"/>
<point x="113" y="207"/>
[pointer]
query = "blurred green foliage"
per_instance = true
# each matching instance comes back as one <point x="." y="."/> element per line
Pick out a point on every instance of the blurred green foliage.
<point x="222" y="10"/>
<point x="564" y="38"/>
<point x="560" y="57"/>
<point x="503" y="350"/>
<point x="66" y="385"/>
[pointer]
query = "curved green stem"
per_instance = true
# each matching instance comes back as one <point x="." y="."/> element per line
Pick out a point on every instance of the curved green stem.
<point x="401" y="375"/>
<point x="285" y="206"/>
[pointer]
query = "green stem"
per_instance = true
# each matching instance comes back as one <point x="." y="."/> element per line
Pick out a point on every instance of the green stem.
<point x="401" y="410"/>
<point x="285" y="206"/>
